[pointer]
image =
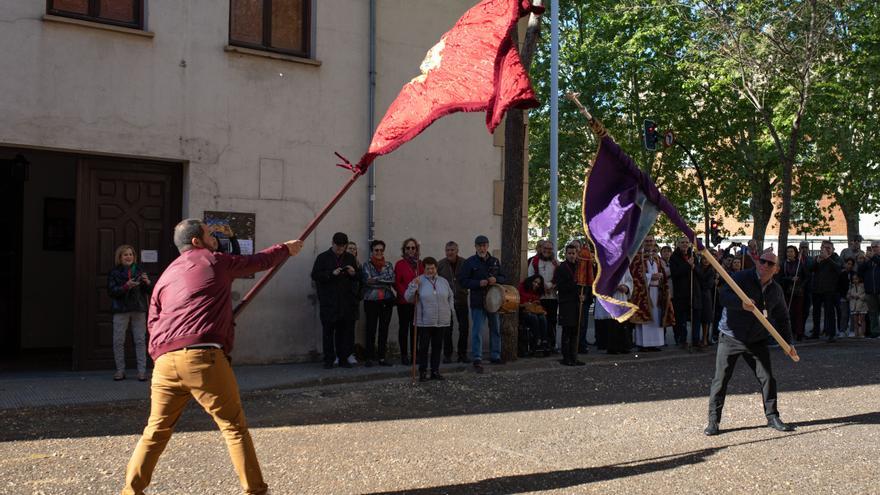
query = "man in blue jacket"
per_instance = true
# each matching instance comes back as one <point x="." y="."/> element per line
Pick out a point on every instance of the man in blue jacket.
<point x="478" y="273"/>
<point x="743" y="335"/>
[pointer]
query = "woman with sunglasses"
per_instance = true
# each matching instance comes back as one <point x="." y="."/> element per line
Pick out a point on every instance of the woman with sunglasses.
<point x="405" y="270"/>
<point x="379" y="299"/>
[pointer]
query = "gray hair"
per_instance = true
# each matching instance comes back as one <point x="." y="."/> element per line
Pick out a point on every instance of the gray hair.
<point x="451" y="244"/>
<point x="185" y="231"/>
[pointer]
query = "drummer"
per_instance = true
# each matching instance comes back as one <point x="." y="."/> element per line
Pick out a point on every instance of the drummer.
<point x="533" y="314"/>
<point x="478" y="273"/>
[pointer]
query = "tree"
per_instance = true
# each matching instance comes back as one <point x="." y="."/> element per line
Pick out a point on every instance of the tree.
<point x="514" y="167"/>
<point x="773" y="48"/>
<point x="846" y="130"/>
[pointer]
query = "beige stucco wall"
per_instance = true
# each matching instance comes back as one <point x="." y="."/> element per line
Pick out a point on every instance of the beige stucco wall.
<point x="257" y="134"/>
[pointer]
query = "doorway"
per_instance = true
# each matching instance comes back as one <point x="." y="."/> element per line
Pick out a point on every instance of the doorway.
<point x="62" y="219"/>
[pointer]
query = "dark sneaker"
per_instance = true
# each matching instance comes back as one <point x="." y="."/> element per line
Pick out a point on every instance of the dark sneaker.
<point x="462" y="358"/>
<point x="447" y="359"/>
<point x="496" y="361"/>
<point x="436" y="376"/>
<point x="382" y="362"/>
<point x="478" y="366"/>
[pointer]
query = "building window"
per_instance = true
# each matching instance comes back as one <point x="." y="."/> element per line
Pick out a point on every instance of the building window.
<point x="275" y="25"/>
<point x="127" y="13"/>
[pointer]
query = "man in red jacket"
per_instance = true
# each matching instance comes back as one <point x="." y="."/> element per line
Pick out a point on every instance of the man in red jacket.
<point x="191" y="331"/>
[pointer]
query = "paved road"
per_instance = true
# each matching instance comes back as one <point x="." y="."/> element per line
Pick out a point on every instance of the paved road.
<point x="626" y="426"/>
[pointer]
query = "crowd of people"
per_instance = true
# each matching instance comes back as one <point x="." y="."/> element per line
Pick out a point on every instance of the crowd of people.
<point x="672" y="288"/>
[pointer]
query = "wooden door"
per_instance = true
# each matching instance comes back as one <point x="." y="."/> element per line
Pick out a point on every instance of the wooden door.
<point x="119" y="201"/>
<point x="13" y="173"/>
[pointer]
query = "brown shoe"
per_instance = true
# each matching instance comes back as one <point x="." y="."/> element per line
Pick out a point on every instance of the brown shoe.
<point x="142" y="377"/>
<point x="119" y="375"/>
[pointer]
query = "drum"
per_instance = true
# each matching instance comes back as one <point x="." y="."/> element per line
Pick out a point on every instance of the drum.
<point x="534" y="308"/>
<point x="501" y="299"/>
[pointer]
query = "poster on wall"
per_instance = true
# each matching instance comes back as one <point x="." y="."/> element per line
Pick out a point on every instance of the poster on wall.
<point x="235" y="231"/>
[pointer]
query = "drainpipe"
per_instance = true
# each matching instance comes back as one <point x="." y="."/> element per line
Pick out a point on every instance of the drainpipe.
<point x="371" y="111"/>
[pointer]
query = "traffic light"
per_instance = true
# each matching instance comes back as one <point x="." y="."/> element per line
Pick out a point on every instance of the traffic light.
<point x="715" y="233"/>
<point x="651" y="135"/>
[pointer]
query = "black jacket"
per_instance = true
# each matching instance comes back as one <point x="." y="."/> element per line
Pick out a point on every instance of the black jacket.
<point x="567" y="291"/>
<point x="124" y="300"/>
<point x="743" y="324"/>
<point x="870" y="273"/>
<point x="681" y="282"/>
<point x="825" y="274"/>
<point x="337" y="294"/>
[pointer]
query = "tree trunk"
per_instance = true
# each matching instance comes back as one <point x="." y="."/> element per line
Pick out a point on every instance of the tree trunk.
<point x="785" y="214"/>
<point x="514" y="169"/>
<point x="762" y="209"/>
<point x="851" y="212"/>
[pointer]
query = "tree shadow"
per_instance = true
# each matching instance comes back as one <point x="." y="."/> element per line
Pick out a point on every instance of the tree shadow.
<point x="568" y="478"/>
<point x="466" y="393"/>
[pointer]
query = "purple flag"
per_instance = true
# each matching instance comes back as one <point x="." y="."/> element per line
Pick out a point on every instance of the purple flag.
<point x="621" y="205"/>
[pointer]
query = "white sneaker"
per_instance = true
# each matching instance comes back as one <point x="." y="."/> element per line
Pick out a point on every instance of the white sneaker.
<point x="851" y="334"/>
<point x="336" y="361"/>
<point x="352" y="360"/>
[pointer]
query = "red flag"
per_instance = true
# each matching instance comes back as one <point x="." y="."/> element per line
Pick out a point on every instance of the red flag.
<point x="474" y="67"/>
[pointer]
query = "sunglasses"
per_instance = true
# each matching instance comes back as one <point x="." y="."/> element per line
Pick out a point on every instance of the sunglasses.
<point x="767" y="262"/>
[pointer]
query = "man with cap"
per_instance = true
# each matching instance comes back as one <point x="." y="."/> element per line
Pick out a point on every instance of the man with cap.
<point x="336" y="275"/>
<point x="743" y="335"/>
<point x="479" y="272"/>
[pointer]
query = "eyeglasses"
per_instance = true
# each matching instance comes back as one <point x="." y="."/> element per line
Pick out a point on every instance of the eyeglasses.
<point x="409" y="247"/>
<point x="767" y="262"/>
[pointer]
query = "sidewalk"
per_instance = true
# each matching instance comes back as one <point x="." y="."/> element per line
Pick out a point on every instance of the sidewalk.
<point x="65" y="388"/>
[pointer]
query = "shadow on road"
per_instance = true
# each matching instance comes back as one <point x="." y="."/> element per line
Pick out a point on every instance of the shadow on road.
<point x="554" y="480"/>
<point x="825" y="367"/>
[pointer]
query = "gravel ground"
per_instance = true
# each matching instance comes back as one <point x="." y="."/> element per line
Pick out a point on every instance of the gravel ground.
<point x="619" y="426"/>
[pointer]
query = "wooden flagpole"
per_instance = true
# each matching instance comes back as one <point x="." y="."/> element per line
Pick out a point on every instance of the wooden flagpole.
<point x="356" y="173"/>
<point x="757" y="313"/>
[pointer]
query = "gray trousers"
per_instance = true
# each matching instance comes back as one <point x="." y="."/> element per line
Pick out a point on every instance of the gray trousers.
<point x="138" y="322"/>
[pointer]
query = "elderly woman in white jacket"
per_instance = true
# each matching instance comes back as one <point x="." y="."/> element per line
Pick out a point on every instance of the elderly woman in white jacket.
<point x="435" y="311"/>
<point x="616" y="335"/>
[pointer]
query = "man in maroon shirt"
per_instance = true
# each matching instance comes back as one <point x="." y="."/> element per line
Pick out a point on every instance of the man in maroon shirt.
<point x="191" y="331"/>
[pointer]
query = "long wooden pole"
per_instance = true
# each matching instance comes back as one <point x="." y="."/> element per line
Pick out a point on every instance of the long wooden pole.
<point x="314" y="223"/>
<point x="758" y="314"/>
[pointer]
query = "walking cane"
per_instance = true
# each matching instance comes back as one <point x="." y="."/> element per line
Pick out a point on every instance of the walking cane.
<point x="415" y="325"/>
<point x="793" y="284"/>
<point x="690" y="345"/>
<point x="415" y="332"/>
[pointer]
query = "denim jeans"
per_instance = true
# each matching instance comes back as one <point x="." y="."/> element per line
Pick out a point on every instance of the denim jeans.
<point x="479" y="315"/>
<point x="139" y="335"/>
